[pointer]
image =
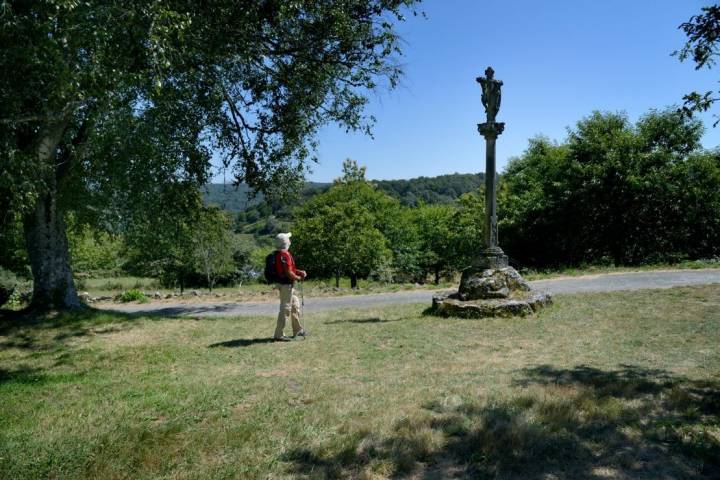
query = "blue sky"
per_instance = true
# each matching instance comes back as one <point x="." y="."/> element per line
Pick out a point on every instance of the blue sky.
<point x="559" y="61"/>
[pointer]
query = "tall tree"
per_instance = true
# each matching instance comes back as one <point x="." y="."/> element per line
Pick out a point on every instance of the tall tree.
<point x="340" y="232"/>
<point x="335" y="235"/>
<point x="102" y="101"/>
<point x="213" y="246"/>
<point x="163" y="245"/>
<point x="438" y="251"/>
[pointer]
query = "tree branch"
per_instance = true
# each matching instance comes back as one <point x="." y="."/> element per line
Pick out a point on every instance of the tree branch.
<point x="42" y="118"/>
<point x="235" y="114"/>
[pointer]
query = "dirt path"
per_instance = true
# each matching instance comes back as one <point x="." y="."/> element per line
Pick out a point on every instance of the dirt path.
<point x="590" y="283"/>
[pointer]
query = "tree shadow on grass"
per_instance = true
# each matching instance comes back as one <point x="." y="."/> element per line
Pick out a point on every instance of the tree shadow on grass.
<point x="361" y="320"/>
<point x="11" y="321"/>
<point x="558" y="423"/>
<point x="22" y="374"/>
<point x="51" y="330"/>
<point x="242" y="342"/>
<point x="36" y="377"/>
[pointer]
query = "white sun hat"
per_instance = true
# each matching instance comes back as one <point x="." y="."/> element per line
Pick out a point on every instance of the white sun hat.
<point x="282" y="240"/>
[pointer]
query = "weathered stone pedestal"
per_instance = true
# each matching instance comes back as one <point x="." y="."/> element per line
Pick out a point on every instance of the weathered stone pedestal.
<point x="491" y="292"/>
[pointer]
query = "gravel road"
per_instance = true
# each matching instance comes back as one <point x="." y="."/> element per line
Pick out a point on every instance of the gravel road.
<point x="589" y="283"/>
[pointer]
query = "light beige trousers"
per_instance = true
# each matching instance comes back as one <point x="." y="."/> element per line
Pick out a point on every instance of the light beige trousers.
<point x="289" y="309"/>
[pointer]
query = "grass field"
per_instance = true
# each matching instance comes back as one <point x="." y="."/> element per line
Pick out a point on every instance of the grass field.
<point x="621" y="385"/>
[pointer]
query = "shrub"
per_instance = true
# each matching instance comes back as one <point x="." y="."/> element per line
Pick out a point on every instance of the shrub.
<point x="133" y="295"/>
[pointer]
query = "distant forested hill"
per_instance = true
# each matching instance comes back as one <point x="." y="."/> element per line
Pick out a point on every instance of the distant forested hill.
<point x="229" y="197"/>
<point x="429" y="190"/>
<point x="258" y="217"/>
<point x="238" y="198"/>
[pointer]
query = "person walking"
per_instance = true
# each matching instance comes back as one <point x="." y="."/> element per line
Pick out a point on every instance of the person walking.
<point x="287" y="274"/>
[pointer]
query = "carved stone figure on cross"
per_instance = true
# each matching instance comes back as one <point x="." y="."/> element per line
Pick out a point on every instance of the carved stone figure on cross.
<point x="491" y="94"/>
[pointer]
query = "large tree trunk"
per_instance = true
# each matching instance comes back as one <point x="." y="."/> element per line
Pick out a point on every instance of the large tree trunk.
<point x="47" y="247"/>
<point x="45" y="235"/>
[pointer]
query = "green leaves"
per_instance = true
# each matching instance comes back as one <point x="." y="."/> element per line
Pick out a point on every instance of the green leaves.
<point x="340" y="232"/>
<point x="213" y="245"/>
<point x="612" y="193"/>
<point x="149" y="92"/>
<point x="703" y="33"/>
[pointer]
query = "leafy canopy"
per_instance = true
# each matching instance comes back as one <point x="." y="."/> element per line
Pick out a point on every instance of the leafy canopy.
<point x="340" y="231"/>
<point x="613" y="193"/>
<point x="140" y="92"/>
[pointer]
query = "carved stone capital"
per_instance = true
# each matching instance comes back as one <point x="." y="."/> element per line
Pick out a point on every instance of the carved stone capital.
<point x="491" y="129"/>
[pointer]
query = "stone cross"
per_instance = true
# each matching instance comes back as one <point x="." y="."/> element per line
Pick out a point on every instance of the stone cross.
<point x="493" y="256"/>
<point x="489" y="287"/>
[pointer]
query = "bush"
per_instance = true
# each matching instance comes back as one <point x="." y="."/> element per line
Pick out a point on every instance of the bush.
<point x="93" y="250"/>
<point x="8" y="283"/>
<point x="132" y="296"/>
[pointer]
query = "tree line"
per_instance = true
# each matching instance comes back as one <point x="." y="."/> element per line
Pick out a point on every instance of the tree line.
<point x="612" y="192"/>
<point x="354" y="229"/>
<point x="253" y="214"/>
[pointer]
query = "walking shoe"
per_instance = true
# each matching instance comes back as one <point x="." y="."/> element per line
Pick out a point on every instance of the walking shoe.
<point x="301" y="333"/>
<point x="283" y="339"/>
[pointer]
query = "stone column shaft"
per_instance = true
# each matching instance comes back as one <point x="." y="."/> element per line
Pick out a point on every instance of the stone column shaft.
<point x="493" y="256"/>
<point x="491" y="237"/>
